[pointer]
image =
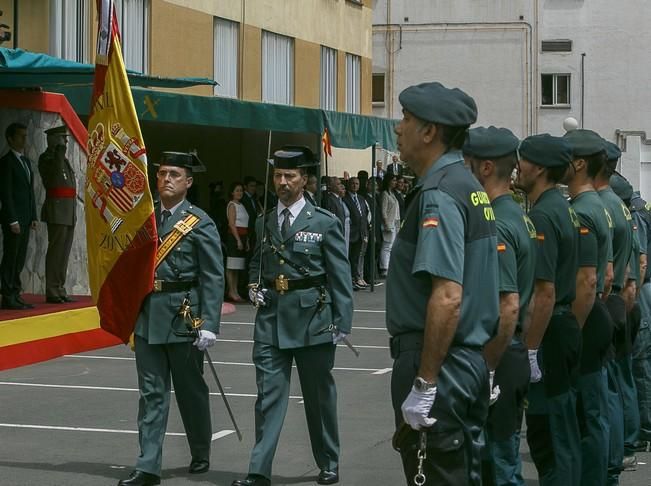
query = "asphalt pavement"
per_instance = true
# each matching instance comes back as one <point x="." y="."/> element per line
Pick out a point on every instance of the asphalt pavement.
<point x="72" y="421"/>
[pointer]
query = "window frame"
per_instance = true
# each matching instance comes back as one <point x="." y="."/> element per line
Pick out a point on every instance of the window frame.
<point x="555" y="79"/>
<point x="236" y="26"/>
<point x="353" y="100"/>
<point x="384" y="89"/>
<point x="266" y="37"/>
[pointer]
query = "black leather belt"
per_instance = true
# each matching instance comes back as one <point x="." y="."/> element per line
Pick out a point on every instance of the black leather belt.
<point x="283" y="284"/>
<point x="175" y="286"/>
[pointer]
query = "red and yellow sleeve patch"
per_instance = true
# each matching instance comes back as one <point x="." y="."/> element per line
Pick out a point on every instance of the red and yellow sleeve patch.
<point x="430" y="223"/>
<point x="540" y="236"/>
<point x="583" y="230"/>
<point x="501" y="247"/>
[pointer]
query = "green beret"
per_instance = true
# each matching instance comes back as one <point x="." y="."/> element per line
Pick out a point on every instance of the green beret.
<point x="612" y="151"/>
<point x="546" y="150"/>
<point x="621" y="187"/>
<point x="491" y="142"/>
<point x="294" y="157"/>
<point x="585" y="142"/>
<point x="435" y="103"/>
<point x="182" y="159"/>
<point x="637" y="202"/>
<point x="61" y="130"/>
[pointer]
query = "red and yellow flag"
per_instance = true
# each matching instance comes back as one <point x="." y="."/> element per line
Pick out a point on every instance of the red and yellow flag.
<point x="120" y="224"/>
<point x="327" y="148"/>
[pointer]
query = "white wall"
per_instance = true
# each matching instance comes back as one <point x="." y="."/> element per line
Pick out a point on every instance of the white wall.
<point x="493" y="63"/>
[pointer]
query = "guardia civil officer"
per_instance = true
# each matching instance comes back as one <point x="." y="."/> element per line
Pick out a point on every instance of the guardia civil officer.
<point x="624" y="191"/>
<point x="554" y="335"/>
<point x="59" y="212"/>
<point x="491" y="154"/>
<point x="192" y="269"/>
<point x="622" y="241"/>
<point x="642" y="344"/>
<point x="595" y="274"/>
<point x="446" y="249"/>
<point x="304" y="299"/>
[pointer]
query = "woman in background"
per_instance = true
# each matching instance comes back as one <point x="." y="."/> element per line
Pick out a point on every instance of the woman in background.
<point x="390" y="220"/>
<point x="237" y="241"/>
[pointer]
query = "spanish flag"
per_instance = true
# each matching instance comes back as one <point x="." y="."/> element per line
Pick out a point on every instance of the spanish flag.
<point x="120" y="224"/>
<point x="325" y="139"/>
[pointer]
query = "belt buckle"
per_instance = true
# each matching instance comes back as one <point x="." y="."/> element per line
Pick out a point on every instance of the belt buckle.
<point x="282" y="284"/>
<point x="158" y="285"/>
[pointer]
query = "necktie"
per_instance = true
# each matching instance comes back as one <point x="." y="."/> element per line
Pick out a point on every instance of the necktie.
<point x="284" y="228"/>
<point x="25" y="162"/>
<point x="164" y="216"/>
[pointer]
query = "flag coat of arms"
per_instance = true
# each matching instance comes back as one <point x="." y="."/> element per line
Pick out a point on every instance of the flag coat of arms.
<point x="120" y="224"/>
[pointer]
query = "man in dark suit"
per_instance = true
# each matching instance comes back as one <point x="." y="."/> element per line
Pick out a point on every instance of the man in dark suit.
<point x="59" y="212"/>
<point x="358" y="232"/>
<point x="400" y="195"/>
<point x="18" y="214"/>
<point x="394" y="167"/>
<point x="311" y="189"/>
<point x="332" y="201"/>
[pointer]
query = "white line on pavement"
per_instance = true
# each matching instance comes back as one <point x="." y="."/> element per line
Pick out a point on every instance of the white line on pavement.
<point x="362" y="328"/>
<point x="370" y="311"/>
<point x="375" y="371"/>
<point x="383" y="371"/>
<point x="215" y="436"/>
<point x="109" y="388"/>
<point x="250" y="341"/>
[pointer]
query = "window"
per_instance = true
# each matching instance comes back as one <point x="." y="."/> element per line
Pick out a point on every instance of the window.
<point x="555" y="90"/>
<point x="378" y="88"/>
<point x="328" y="78"/>
<point x="352" y="83"/>
<point x="133" y="20"/>
<point x="556" y="45"/>
<point x="69" y="29"/>
<point x="277" y="68"/>
<point x="226" y="36"/>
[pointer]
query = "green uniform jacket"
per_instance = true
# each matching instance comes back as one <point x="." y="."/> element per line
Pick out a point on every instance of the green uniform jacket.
<point x="197" y="256"/>
<point x="56" y="172"/>
<point x="315" y="241"/>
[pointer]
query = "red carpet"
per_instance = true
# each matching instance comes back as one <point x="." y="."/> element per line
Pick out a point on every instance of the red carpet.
<point x="41" y="307"/>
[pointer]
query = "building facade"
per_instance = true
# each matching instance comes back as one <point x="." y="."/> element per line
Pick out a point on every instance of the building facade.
<point x="529" y="64"/>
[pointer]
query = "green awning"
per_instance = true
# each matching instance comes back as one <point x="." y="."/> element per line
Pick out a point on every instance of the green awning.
<point x="24" y="69"/>
<point x="346" y="130"/>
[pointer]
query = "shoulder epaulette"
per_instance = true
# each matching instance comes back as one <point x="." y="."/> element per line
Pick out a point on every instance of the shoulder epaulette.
<point x="324" y="211"/>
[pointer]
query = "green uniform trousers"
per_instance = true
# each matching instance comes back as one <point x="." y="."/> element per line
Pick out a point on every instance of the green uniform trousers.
<point x="59" y="244"/>
<point x="273" y="367"/>
<point x="642" y="363"/>
<point x="595" y="428"/>
<point x="552" y="425"/>
<point x="155" y="363"/>
<point x="616" y="420"/>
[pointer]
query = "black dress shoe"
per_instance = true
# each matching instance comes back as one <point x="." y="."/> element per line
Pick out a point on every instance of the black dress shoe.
<point x="13" y="304"/>
<point x="21" y="301"/>
<point x="328" y="477"/>
<point x="140" y="478"/>
<point x="199" y="466"/>
<point x="252" y="480"/>
<point x="54" y="300"/>
<point x="65" y="298"/>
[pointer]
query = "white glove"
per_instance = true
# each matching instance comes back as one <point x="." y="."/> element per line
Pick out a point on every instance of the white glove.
<point x="416" y="408"/>
<point x="338" y="336"/>
<point x="536" y="374"/>
<point x="205" y="340"/>
<point x="494" y="392"/>
<point x="258" y="296"/>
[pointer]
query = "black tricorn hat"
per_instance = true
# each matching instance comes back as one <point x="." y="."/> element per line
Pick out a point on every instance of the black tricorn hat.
<point x="294" y="157"/>
<point x="182" y="159"/>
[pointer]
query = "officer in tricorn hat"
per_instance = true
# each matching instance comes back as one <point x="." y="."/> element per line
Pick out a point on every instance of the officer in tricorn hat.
<point x="491" y="153"/>
<point x="554" y="333"/>
<point x="300" y="281"/>
<point x="59" y="211"/>
<point x="445" y="249"/>
<point x="189" y="265"/>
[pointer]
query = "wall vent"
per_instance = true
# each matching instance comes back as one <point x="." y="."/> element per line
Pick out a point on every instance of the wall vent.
<point x="557" y="45"/>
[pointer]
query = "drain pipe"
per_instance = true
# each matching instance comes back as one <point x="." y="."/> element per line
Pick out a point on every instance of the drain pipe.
<point x="582" y="88"/>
